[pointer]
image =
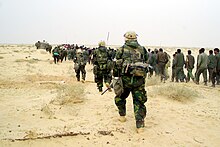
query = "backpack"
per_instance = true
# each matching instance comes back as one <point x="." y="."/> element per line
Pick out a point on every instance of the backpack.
<point x="134" y="63"/>
<point x="102" y="59"/>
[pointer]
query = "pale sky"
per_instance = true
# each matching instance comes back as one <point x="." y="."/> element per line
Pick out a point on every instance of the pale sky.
<point x="190" y="23"/>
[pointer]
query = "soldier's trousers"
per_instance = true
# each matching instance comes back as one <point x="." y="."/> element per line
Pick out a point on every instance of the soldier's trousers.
<point x="161" y="69"/>
<point x="212" y="75"/>
<point x="204" y="73"/>
<point x="190" y="75"/>
<point x="151" y="71"/>
<point x="83" y="72"/>
<point x="102" y="76"/>
<point x="56" y="58"/>
<point x="180" y="74"/>
<point x="173" y="74"/>
<point x="139" y="98"/>
<point x="167" y="73"/>
<point x="218" y="77"/>
<point x="156" y="70"/>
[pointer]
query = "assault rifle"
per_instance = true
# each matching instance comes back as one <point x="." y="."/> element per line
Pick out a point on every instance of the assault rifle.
<point x="115" y="82"/>
<point x="110" y="86"/>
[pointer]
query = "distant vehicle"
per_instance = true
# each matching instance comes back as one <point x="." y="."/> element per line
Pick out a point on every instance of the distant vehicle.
<point x="43" y="45"/>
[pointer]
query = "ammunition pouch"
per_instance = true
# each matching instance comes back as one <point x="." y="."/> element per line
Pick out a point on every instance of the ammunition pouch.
<point x="138" y="69"/>
<point x="118" y="86"/>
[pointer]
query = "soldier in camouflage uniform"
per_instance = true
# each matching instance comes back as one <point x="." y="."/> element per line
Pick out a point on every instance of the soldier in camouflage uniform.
<point x="80" y="59"/>
<point x="131" y="68"/>
<point x="102" y="66"/>
<point x="56" y="54"/>
<point x="63" y="54"/>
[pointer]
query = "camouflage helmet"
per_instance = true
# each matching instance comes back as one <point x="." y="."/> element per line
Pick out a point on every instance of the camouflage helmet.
<point x="102" y="43"/>
<point x="130" y="35"/>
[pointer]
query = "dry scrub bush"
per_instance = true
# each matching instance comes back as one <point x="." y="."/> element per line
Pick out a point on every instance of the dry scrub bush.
<point x="69" y="94"/>
<point x="47" y="110"/>
<point x="152" y="81"/>
<point x="176" y="92"/>
<point x="1" y="57"/>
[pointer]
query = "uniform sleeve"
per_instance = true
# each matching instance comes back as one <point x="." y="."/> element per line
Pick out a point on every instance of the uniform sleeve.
<point x="193" y="61"/>
<point x="175" y="61"/>
<point x="199" y="60"/>
<point x="119" y="53"/>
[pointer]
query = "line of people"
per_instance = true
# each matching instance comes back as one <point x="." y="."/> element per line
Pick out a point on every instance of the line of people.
<point x="160" y="61"/>
<point x="128" y="67"/>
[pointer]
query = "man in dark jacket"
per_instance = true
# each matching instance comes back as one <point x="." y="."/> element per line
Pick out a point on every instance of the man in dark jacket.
<point x="190" y="61"/>
<point x="162" y="60"/>
<point x="202" y="66"/>
<point x="179" y="63"/>
<point x="217" y="55"/>
<point x="212" y="63"/>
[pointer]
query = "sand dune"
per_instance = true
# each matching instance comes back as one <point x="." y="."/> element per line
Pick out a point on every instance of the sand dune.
<point x="42" y="104"/>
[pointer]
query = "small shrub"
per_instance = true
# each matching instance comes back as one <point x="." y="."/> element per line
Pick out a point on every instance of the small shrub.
<point x="178" y="92"/>
<point x="152" y="81"/>
<point x="69" y="94"/>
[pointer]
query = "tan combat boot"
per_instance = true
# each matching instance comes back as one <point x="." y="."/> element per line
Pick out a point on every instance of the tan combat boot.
<point x="140" y="130"/>
<point x="83" y="81"/>
<point x="122" y="119"/>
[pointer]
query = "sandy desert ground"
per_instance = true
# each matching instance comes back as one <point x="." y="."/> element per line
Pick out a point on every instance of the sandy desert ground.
<point x="42" y="104"/>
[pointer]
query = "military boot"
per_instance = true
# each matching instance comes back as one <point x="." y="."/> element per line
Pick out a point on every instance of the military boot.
<point x="100" y="89"/>
<point x="213" y="85"/>
<point x="140" y="123"/>
<point x="122" y="119"/>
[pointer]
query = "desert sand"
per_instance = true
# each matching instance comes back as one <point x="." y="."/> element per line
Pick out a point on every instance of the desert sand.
<point x="42" y="104"/>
